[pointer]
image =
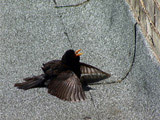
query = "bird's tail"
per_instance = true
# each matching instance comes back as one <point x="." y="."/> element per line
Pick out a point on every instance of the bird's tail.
<point x="32" y="82"/>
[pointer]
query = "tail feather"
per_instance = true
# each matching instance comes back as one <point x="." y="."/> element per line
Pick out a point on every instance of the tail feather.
<point x="31" y="82"/>
<point x="34" y="78"/>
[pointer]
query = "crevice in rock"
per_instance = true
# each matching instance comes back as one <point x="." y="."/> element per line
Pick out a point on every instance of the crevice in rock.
<point x="68" y="39"/>
<point x="92" y="99"/>
<point x="132" y="63"/>
<point x="55" y="2"/>
<point x="64" y="29"/>
<point x="75" y="5"/>
<point x="134" y="53"/>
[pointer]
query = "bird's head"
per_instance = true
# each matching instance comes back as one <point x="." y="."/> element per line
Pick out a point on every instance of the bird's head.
<point x="71" y="57"/>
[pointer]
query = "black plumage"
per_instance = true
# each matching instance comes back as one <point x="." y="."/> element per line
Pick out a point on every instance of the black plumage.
<point x="65" y="78"/>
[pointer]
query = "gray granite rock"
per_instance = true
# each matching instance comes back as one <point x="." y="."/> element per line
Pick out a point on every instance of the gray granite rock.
<point x="33" y="32"/>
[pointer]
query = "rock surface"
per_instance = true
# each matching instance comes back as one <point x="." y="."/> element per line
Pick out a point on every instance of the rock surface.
<point x="33" y="32"/>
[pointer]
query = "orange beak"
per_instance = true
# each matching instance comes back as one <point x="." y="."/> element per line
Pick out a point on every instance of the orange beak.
<point x="77" y="52"/>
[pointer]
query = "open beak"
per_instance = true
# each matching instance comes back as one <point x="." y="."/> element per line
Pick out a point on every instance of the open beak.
<point x="77" y="52"/>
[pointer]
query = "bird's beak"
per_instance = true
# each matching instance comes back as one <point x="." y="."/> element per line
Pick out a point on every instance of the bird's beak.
<point x="77" y="52"/>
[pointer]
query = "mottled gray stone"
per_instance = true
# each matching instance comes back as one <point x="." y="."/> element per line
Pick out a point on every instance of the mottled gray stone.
<point x="32" y="32"/>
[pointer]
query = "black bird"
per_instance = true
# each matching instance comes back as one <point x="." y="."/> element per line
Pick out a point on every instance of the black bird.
<point x="65" y="78"/>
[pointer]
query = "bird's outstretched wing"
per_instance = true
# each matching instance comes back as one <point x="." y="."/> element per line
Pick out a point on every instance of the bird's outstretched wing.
<point x="91" y="74"/>
<point x="67" y="86"/>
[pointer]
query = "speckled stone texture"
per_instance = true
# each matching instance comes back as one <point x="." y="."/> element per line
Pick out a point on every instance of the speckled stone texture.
<point x="33" y="32"/>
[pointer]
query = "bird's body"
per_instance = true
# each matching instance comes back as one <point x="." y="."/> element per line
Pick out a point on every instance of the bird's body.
<point x="63" y="78"/>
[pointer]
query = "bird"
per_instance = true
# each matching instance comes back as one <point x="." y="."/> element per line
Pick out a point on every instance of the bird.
<point x="66" y="78"/>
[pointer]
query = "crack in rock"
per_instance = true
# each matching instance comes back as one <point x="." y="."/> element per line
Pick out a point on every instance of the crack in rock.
<point x="64" y="29"/>
<point x="75" y="5"/>
<point x="92" y="100"/>
<point x="68" y="39"/>
<point x="133" y="60"/>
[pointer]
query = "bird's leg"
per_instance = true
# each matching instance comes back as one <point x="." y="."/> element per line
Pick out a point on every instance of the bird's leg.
<point x="75" y="5"/>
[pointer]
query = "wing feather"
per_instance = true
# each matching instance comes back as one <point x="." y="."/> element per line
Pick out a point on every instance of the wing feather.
<point x="92" y="74"/>
<point x="67" y="86"/>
